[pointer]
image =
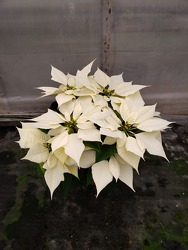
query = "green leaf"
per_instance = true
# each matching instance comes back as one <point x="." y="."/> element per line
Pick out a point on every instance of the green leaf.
<point x="85" y="177"/>
<point x="44" y="130"/>
<point x="94" y="145"/>
<point x="106" y="152"/>
<point x="67" y="184"/>
<point x="40" y="170"/>
<point x="89" y="178"/>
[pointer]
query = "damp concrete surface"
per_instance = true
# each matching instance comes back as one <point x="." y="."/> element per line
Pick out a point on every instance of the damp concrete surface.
<point x="155" y="216"/>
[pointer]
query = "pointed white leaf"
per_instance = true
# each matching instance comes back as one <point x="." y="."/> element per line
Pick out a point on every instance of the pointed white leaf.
<point x="124" y="110"/>
<point x="94" y="85"/>
<point x="115" y="81"/>
<point x="63" y="98"/>
<point x="77" y="111"/>
<point x="116" y="99"/>
<point x="82" y="81"/>
<point x="45" y="125"/>
<point x="52" y="160"/>
<point x="126" y="175"/>
<point x="134" y="102"/>
<point x="101" y="175"/>
<point x="87" y="69"/>
<point x="51" y="117"/>
<point x="152" y="143"/>
<point x="114" y="167"/>
<point x="85" y="102"/>
<point x="85" y="125"/>
<point x="60" y="154"/>
<point x="37" y="153"/>
<point x="70" y="162"/>
<point x="157" y="113"/>
<point x="53" y="177"/>
<point x="69" y="92"/>
<point x="89" y="134"/>
<point x="67" y="117"/>
<point x="59" y="141"/>
<point x="126" y="172"/>
<point x="114" y="121"/>
<point x="133" y="146"/>
<point x="131" y="158"/>
<point x="73" y="169"/>
<point x="66" y="107"/>
<point x="115" y="102"/>
<point x="71" y="80"/>
<point x="110" y="133"/>
<point x="145" y="113"/>
<point x="99" y="118"/>
<point x="100" y="101"/>
<point x="101" y="78"/>
<point x="31" y="136"/>
<point x="74" y="147"/>
<point x="28" y="125"/>
<point x="58" y="76"/>
<point x="48" y="91"/>
<point x="125" y="90"/>
<point x="153" y="124"/>
<point x="88" y="158"/>
<point x="56" y="131"/>
<point x="122" y="142"/>
<point x="132" y="117"/>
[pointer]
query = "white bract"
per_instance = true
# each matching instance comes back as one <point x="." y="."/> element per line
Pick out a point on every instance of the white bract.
<point x="71" y="86"/>
<point x="134" y="128"/>
<point x="101" y="124"/>
<point x="112" y="89"/>
<point x="69" y="130"/>
<point x="115" y="167"/>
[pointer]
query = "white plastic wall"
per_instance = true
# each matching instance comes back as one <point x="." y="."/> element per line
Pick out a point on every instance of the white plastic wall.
<point x="147" y="40"/>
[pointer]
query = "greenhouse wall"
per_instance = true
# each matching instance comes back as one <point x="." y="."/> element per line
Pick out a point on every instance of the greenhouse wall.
<point x="146" y="40"/>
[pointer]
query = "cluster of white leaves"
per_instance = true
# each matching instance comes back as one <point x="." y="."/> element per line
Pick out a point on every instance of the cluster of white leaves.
<point x="93" y="108"/>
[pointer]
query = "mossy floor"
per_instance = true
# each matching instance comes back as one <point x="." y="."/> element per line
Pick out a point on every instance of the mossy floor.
<point x="154" y="217"/>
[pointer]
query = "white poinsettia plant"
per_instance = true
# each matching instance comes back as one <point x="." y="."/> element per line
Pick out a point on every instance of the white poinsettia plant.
<point x="100" y="123"/>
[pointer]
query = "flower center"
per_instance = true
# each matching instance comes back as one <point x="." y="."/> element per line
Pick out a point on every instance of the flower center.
<point x="107" y="92"/>
<point x="129" y="129"/>
<point x="68" y="87"/>
<point x="48" y="146"/>
<point x="71" y="126"/>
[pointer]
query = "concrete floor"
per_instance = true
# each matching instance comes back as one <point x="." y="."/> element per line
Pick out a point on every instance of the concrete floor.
<point x="154" y="217"/>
